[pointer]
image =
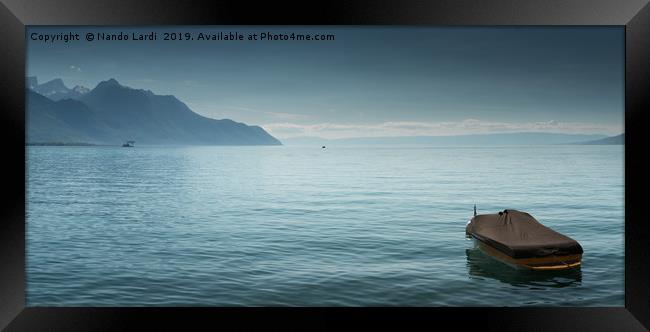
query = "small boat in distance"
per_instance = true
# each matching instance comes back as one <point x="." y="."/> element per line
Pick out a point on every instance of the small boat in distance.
<point x="517" y="239"/>
<point x="128" y="144"/>
<point x="323" y="147"/>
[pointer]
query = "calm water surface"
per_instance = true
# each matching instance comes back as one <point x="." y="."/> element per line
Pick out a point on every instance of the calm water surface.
<point x="305" y="226"/>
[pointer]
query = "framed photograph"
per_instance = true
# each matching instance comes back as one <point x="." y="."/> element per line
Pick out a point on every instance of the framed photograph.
<point x="310" y="166"/>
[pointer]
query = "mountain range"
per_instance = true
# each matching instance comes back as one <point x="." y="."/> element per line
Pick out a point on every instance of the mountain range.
<point x="55" y="89"/>
<point x="112" y="113"/>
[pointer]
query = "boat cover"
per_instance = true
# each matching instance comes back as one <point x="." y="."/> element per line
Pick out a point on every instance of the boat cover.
<point x="519" y="235"/>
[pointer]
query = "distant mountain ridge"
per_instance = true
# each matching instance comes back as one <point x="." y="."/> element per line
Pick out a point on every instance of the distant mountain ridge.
<point x="112" y="113"/>
<point x="457" y="140"/>
<point x="55" y="89"/>
<point x="612" y="140"/>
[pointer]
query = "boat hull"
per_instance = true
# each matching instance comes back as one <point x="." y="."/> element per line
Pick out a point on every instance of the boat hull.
<point x="548" y="263"/>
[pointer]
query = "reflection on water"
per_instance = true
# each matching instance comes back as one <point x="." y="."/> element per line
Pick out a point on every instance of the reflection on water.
<point x="481" y="265"/>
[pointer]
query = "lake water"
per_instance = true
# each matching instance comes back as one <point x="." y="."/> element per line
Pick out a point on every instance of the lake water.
<point x="305" y="226"/>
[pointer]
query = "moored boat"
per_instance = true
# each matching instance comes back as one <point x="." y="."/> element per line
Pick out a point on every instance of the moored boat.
<point x="518" y="239"/>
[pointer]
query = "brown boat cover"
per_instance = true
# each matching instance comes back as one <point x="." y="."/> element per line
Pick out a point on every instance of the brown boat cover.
<point x="519" y="235"/>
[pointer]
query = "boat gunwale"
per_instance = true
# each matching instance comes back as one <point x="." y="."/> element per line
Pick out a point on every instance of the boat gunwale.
<point x="546" y="263"/>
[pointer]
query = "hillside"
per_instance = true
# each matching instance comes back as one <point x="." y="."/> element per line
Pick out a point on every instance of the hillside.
<point x="112" y="113"/>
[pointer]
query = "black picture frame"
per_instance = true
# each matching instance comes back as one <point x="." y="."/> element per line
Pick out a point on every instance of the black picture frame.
<point x="16" y="14"/>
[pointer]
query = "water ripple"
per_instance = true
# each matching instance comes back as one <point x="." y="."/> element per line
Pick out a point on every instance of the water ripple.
<point x="288" y="226"/>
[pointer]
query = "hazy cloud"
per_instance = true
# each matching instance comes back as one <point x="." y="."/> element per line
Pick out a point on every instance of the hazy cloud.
<point x="194" y="84"/>
<point x="145" y="80"/>
<point x="406" y="128"/>
<point x="287" y="116"/>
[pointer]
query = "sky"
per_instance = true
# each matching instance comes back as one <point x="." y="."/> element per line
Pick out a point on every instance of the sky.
<point x="368" y="81"/>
